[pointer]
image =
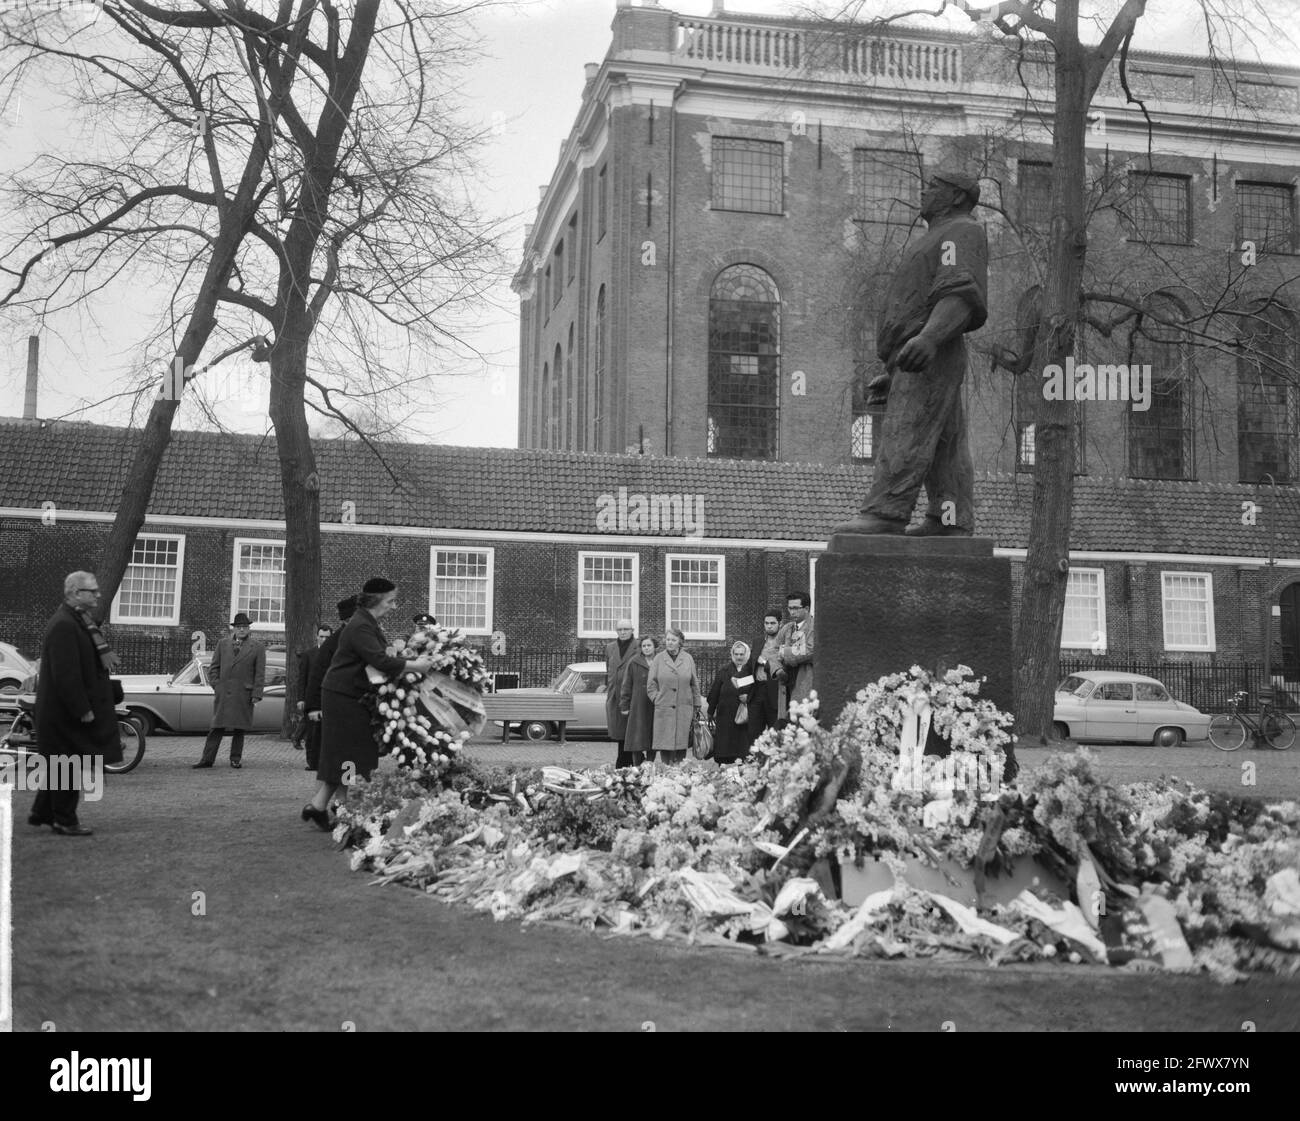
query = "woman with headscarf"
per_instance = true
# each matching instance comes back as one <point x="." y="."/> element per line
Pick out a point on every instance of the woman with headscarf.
<point x="674" y="690"/>
<point x="348" y="747"/>
<point x="729" y="696"/>
<point x="635" y="704"/>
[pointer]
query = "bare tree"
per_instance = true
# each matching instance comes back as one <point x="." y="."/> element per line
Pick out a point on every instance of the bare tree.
<point x="350" y="223"/>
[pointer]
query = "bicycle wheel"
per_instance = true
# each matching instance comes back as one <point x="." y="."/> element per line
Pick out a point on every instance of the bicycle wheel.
<point x="132" y="748"/>
<point x="1227" y="733"/>
<point x="1278" y="730"/>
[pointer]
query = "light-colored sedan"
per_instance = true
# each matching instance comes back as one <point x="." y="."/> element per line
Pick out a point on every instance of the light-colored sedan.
<point x="14" y="670"/>
<point x="1106" y="706"/>
<point x="586" y="681"/>
<point x="182" y="702"/>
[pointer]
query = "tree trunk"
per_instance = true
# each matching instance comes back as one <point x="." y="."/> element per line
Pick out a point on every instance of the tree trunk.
<point x="299" y="484"/>
<point x="1046" y="575"/>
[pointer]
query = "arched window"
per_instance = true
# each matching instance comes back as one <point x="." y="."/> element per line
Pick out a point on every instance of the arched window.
<point x="570" y="399"/>
<point x="744" y="364"/>
<point x="1160" y="437"/>
<point x="557" y="398"/>
<point x="598" y="377"/>
<point x="544" y="409"/>
<point x="1268" y="402"/>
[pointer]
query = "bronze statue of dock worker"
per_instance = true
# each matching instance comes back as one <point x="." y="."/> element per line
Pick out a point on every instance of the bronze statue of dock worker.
<point x="938" y="294"/>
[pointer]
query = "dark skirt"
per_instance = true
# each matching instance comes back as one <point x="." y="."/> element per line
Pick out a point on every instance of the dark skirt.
<point x="346" y="737"/>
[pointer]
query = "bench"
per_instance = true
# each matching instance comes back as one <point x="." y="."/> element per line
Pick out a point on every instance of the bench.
<point x="522" y="708"/>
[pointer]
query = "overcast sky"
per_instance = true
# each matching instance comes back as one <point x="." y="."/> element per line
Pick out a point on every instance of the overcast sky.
<point x="528" y="87"/>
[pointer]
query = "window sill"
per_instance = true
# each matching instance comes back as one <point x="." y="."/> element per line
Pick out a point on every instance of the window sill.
<point x="736" y="210"/>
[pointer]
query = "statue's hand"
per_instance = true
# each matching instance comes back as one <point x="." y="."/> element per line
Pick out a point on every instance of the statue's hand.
<point x="917" y="353"/>
<point x="878" y="390"/>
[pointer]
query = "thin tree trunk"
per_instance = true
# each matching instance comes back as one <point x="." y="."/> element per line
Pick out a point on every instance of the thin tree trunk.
<point x="1047" y="565"/>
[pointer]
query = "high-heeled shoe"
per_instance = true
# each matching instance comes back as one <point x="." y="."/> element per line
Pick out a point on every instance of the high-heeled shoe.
<point x="321" y="818"/>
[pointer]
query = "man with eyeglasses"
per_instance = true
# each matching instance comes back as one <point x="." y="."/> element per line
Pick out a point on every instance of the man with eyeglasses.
<point x="75" y="717"/>
<point x="617" y="656"/>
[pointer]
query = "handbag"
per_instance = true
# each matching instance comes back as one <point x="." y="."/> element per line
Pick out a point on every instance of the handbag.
<point x="742" y="713"/>
<point x="702" y="741"/>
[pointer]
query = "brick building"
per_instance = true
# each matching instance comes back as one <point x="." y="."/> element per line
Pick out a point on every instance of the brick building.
<point x="539" y="552"/>
<point x="706" y="261"/>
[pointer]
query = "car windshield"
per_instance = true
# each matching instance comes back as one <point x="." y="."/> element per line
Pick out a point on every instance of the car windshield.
<point x="562" y="682"/>
<point x="1076" y="686"/>
<point x="188" y="674"/>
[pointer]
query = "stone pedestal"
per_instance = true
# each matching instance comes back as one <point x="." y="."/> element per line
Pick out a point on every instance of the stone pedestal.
<point x="886" y="603"/>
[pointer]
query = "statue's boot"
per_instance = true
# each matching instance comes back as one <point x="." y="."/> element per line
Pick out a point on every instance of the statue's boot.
<point x="865" y="524"/>
<point x="933" y="527"/>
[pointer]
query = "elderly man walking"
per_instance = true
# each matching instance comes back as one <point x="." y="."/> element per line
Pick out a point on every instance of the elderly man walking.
<point x="75" y="718"/>
<point x="618" y="656"/>
<point x="237" y="674"/>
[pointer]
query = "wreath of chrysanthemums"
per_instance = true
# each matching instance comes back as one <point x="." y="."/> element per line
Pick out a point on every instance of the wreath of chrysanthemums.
<point x="403" y="726"/>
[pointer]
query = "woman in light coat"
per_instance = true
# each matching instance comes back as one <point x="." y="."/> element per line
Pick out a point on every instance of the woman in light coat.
<point x="634" y="703"/>
<point x="674" y="690"/>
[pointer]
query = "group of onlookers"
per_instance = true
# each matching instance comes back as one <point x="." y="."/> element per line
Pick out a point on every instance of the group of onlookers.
<point x="653" y="695"/>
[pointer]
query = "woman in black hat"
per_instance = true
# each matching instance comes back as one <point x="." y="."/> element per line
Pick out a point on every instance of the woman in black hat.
<point x="348" y="745"/>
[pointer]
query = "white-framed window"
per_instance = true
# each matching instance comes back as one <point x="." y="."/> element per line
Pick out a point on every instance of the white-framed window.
<point x="257" y="587"/>
<point x="1084" y="624"/>
<point x="695" y="594"/>
<point x="150" y="591"/>
<point x="812" y="579"/>
<point x="1187" y="601"/>
<point x="608" y="590"/>
<point x="460" y="588"/>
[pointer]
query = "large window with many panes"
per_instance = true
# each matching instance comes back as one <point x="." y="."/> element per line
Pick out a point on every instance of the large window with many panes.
<point x="1158" y="207"/>
<point x="1268" y="402"/>
<point x="1033" y="195"/>
<point x="1160" y="444"/>
<point x="460" y="588"/>
<point x="748" y="175"/>
<point x="258" y="583"/>
<point x="887" y="183"/>
<point x="150" y="591"/>
<point x="744" y="364"/>
<point x="608" y="585"/>
<point x="1266" y="216"/>
<point x="1083" y="625"/>
<point x="695" y="594"/>
<point x="1187" y="603"/>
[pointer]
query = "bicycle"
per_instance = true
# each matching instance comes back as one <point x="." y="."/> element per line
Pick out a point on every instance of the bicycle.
<point x="1229" y="730"/>
<point x="20" y="740"/>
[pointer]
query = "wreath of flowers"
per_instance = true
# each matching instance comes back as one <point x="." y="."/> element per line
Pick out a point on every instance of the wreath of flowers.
<point x="403" y="727"/>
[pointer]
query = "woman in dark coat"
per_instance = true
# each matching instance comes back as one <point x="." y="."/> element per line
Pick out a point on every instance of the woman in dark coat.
<point x="733" y="685"/>
<point x="347" y="740"/>
<point x="635" y="704"/>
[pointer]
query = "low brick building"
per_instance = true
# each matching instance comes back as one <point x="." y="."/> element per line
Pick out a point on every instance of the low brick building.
<point x="537" y="553"/>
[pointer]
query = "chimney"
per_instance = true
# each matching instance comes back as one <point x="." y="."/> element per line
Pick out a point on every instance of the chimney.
<point x="33" y="364"/>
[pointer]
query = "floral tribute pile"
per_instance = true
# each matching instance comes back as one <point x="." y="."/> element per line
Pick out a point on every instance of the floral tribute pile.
<point x="852" y="840"/>
<point x="422" y="719"/>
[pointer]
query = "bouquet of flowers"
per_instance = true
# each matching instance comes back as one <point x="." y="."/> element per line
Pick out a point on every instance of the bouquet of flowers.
<point x="423" y="719"/>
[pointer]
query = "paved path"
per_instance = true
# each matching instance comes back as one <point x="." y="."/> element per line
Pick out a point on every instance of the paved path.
<point x="203" y="902"/>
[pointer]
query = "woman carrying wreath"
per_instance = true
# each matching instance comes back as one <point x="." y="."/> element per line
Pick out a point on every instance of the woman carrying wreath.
<point x="348" y="746"/>
<point x="729" y="696"/>
<point x="635" y="704"/>
<point x="674" y="690"/>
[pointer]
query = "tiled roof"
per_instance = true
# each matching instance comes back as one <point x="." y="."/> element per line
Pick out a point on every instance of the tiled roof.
<point x="207" y="474"/>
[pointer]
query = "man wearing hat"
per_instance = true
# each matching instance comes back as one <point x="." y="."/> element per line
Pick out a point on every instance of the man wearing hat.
<point x="424" y="619"/>
<point x="938" y="294"/>
<point x="237" y="673"/>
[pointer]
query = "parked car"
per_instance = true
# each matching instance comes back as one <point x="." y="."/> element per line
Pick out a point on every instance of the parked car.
<point x="14" y="670"/>
<point x="586" y="681"/>
<point x="182" y="702"/>
<point x="1105" y="706"/>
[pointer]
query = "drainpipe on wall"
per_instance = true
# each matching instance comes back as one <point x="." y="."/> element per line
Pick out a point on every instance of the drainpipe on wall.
<point x="672" y="265"/>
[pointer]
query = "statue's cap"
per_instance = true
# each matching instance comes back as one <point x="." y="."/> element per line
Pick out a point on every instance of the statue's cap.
<point x="966" y="183"/>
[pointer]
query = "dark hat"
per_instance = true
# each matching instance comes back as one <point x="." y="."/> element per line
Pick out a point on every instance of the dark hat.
<point x="347" y="607"/>
<point x="241" y="620"/>
<point x="378" y="586"/>
<point x="424" y="619"/>
<point x="962" y="182"/>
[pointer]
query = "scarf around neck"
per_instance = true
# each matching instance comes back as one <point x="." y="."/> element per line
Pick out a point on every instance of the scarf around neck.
<point x="102" y="648"/>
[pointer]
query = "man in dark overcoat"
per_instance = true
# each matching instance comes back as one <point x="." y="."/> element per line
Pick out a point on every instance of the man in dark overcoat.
<point x="75" y="715"/>
<point x="618" y="654"/>
<point x="320" y="664"/>
<point x="236" y="674"/>
<point x="305" y="659"/>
